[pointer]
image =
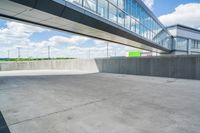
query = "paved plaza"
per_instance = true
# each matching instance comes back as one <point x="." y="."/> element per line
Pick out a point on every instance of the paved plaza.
<point x="76" y="102"/>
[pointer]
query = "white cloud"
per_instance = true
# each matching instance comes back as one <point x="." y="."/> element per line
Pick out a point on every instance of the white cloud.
<point x="59" y="40"/>
<point x="23" y="28"/>
<point x="16" y="34"/>
<point x="186" y="14"/>
<point x="149" y="3"/>
<point x="18" y="30"/>
<point x="74" y="39"/>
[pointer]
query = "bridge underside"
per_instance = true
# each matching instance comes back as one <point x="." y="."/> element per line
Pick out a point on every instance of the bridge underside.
<point x="68" y="17"/>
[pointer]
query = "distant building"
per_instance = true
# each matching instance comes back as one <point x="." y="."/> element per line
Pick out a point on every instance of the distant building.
<point x="186" y="40"/>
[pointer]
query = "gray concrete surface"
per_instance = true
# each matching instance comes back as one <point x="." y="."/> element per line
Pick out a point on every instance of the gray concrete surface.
<point x="99" y="103"/>
<point x="186" y="67"/>
<point x="41" y="72"/>
<point x="73" y="64"/>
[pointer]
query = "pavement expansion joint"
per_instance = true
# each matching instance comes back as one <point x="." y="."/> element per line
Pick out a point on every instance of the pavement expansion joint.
<point x="60" y="111"/>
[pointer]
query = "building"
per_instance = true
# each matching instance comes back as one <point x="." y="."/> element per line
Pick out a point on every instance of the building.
<point x="186" y="40"/>
<point x="127" y="22"/>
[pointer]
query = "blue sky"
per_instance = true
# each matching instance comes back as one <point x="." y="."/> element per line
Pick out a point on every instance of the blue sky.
<point x="162" y="7"/>
<point x="34" y="40"/>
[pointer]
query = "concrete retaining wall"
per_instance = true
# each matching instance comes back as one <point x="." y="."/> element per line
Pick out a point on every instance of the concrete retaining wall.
<point x="73" y="64"/>
<point x="187" y="67"/>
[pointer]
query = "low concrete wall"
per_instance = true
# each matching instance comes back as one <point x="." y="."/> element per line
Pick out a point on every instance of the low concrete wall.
<point x="73" y="64"/>
<point x="187" y="67"/>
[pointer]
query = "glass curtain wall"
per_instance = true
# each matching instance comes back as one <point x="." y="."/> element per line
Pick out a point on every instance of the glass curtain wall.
<point x="130" y="15"/>
<point x="185" y="44"/>
<point x="181" y="43"/>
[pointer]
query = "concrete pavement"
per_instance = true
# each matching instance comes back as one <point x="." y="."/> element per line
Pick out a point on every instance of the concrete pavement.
<point x="99" y="103"/>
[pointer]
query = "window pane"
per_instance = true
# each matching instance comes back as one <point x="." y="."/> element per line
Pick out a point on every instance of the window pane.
<point x="90" y="4"/>
<point x="195" y="44"/>
<point x="142" y="16"/>
<point x="121" y="4"/>
<point x="133" y="25"/>
<point x="146" y="16"/>
<point x="198" y="45"/>
<point x="103" y="8"/>
<point x="192" y="44"/>
<point x="127" y="21"/>
<point x="128" y="6"/>
<point x="154" y="27"/>
<point x="145" y="32"/>
<point x="141" y="30"/>
<point x="149" y="35"/>
<point x="112" y="13"/>
<point x="113" y="2"/>
<point x="151" y="24"/>
<point x="137" y="28"/>
<point x="138" y="12"/>
<point x="134" y="7"/>
<point x="148" y="22"/>
<point x="159" y="29"/>
<point x="180" y="44"/>
<point x="121" y="17"/>
<point x="79" y="2"/>
<point x="166" y="43"/>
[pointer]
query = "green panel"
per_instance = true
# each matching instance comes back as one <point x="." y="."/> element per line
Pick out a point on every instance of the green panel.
<point x="134" y="54"/>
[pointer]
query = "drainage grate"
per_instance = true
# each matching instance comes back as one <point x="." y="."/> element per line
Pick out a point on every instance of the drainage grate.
<point x="3" y="126"/>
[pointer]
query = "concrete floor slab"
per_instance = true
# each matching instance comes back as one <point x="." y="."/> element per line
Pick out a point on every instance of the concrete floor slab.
<point x="99" y="103"/>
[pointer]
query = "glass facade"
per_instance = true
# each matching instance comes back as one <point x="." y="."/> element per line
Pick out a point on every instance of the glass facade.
<point x="131" y="15"/>
<point x="181" y="43"/>
<point x="186" y="44"/>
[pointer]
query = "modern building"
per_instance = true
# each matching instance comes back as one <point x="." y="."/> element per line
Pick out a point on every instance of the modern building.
<point x="127" y="22"/>
<point x="186" y="40"/>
